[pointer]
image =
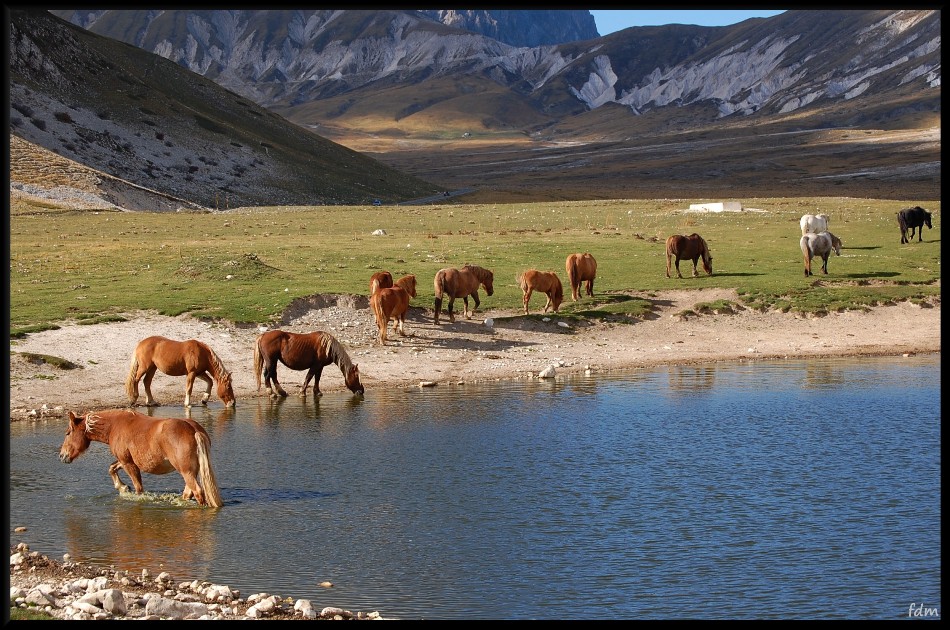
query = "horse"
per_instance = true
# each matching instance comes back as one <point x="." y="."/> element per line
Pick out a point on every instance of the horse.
<point x="819" y="245"/>
<point x="392" y="304"/>
<point x="913" y="219"/>
<point x="302" y="351"/>
<point x="814" y="223"/>
<point x="546" y="282"/>
<point x="461" y="283"/>
<point x="380" y="280"/>
<point x="191" y="358"/>
<point x="581" y="268"/>
<point x="690" y="247"/>
<point x="142" y="443"/>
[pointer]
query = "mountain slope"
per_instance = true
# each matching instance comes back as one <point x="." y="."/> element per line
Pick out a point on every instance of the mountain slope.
<point x="141" y="118"/>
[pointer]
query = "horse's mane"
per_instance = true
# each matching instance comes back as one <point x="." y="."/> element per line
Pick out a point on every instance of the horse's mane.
<point x="220" y="372"/>
<point x="334" y="350"/>
<point x="92" y="425"/>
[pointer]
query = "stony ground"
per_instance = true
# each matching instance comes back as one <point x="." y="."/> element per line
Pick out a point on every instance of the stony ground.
<point x="496" y="344"/>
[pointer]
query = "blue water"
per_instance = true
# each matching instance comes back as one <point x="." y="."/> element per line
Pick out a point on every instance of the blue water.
<point x="787" y="489"/>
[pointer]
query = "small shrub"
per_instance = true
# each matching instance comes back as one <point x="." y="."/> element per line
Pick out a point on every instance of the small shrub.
<point x="63" y="117"/>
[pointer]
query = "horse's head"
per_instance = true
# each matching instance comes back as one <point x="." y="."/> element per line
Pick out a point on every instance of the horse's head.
<point x="488" y="279"/>
<point x="353" y="380"/>
<point x="835" y="244"/>
<point x="927" y="217"/>
<point x="557" y="294"/>
<point x="226" y="390"/>
<point x="76" y="441"/>
<point x="707" y="259"/>
<point x="409" y="284"/>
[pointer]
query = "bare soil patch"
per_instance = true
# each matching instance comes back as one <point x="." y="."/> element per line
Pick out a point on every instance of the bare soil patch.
<point x="496" y="344"/>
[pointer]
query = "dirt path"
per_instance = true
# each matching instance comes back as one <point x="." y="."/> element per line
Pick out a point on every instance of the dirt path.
<point x="467" y="351"/>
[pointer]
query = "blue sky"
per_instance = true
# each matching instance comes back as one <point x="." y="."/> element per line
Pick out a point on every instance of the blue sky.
<point x="609" y="21"/>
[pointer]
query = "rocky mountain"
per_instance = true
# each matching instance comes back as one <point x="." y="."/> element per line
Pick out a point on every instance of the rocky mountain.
<point x="522" y="27"/>
<point x="796" y="62"/>
<point x="139" y="119"/>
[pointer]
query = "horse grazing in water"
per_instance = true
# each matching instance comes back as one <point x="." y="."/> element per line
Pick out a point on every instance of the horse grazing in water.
<point x="545" y="282"/>
<point x="191" y="358"/>
<point x="302" y="351"/>
<point x="392" y="303"/>
<point x="913" y="219"/>
<point x="692" y="247"/>
<point x="581" y="268"/>
<point x="461" y="283"/>
<point x="380" y="280"/>
<point x="142" y="443"/>
<point x="814" y="223"/>
<point x="819" y="245"/>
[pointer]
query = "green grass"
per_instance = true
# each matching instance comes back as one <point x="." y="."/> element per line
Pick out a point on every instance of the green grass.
<point x="248" y="265"/>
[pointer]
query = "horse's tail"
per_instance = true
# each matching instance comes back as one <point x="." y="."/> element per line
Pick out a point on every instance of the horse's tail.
<point x="376" y="302"/>
<point x="520" y="279"/>
<point x="902" y="221"/>
<point x="206" y="473"/>
<point x="131" y="389"/>
<point x="572" y="272"/>
<point x="439" y="286"/>
<point x="258" y="363"/>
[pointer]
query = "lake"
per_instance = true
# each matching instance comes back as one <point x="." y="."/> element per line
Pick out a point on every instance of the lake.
<point x="773" y="489"/>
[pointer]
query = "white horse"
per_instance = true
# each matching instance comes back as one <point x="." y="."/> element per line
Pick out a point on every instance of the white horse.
<point x="819" y="245"/>
<point x="814" y="223"/>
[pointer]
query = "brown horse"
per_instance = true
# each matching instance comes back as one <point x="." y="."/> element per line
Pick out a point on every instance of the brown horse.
<point x="302" y="351"/>
<point x="380" y="280"/>
<point x="581" y="268"/>
<point x="546" y="282"/>
<point x="461" y="283"/>
<point x="141" y="443"/>
<point x="191" y="358"/>
<point x="690" y="247"/>
<point x="392" y="304"/>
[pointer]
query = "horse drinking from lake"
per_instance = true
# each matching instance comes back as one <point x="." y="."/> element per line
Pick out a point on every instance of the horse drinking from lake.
<point x="821" y="244"/>
<point x="581" y="268"/>
<point x="392" y="304"/>
<point x="142" y="443"/>
<point x="461" y="283"/>
<point x="913" y="219"/>
<point x="191" y="358"/>
<point x="380" y="280"/>
<point x="692" y="247"/>
<point x="302" y="351"/>
<point x="545" y="282"/>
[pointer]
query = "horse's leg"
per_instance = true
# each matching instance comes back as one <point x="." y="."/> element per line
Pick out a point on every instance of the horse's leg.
<point x="527" y="298"/>
<point x="678" y="274"/>
<point x="147" y="385"/>
<point x="276" y="389"/>
<point x="695" y="272"/>
<point x="189" y="383"/>
<point x="133" y="472"/>
<point x="450" y="307"/>
<point x="824" y="264"/>
<point x="114" y="473"/>
<point x="669" y="261"/>
<point x="306" y="381"/>
<point x="317" y="373"/>
<point x="590" y="287"/>
<point x="474" y="308"/>
<point x="192" y="489"/>
<point x="207" y="379"/>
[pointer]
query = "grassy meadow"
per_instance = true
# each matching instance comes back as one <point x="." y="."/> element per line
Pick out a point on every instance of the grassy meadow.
<point x="248" y="265"/>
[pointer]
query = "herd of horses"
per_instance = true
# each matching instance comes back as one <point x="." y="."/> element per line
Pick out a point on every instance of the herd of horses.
<point x="142" y="443"/>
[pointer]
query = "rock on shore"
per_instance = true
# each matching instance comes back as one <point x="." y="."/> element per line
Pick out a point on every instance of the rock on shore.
<point x="74" y="591"/>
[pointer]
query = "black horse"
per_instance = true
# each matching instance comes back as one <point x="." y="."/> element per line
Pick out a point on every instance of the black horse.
<point x="911" y="219"/>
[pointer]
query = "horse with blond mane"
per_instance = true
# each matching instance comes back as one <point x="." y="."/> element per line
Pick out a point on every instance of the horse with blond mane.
<point x="142" y="443"/>
<point x="581" y="268"/>
<point x="302" y="351"/>
<point x="380" y="280"/>
<point x="461" y="283"/>
<point x="545" y="282"/>
<point x="191" y="358"/>
<point x="392" y="303"/>
<point x="692" y="247"/>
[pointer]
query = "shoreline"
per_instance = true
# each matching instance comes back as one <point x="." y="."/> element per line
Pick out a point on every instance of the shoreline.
<point x="494" y="345"/>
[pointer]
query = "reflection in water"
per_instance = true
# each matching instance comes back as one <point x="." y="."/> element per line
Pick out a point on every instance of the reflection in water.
<point x="687" y="379"/>
<point x="820" y="375"/>
<point x="145" y="531"/>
